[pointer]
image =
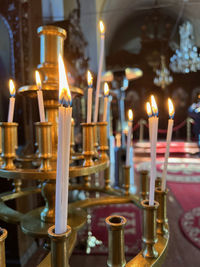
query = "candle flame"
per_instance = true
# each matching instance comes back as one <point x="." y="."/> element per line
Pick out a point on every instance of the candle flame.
<point x="64" y="92"/>
<point x="130" y="115"/>
<point x="12" y="88"/>
<point x="89" y="78"/>
<point x="101" y="26"/>
<point x="38" y="79"/>
<point x="171" y="108"/>
<point x="106" y="89"/>
<point x="148" y="107"/>
<point x="154" y="106"/>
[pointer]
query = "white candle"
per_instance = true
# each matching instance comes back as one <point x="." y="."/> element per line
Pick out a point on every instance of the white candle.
<point x="106" y="95"/>
<point x="149" y="112"/>
<point x="89" y="99"/>
<point x="96" y="110"/>
<point x="128" y="145"/>
<point x="168" y="141"/>
<point x="40" y="97"/>
<point x="63" y="156"/>
<point x="12" y="101"/>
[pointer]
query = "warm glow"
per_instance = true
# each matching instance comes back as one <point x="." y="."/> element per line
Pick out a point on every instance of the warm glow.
<point x="38" y="80"/>
<point x="148" y="107"/>
<point x="106" y="89"/>
<point x="89" y="78"/>
<point x="101" y="26"/>
<point x="154" y="105"/>
<point x="11" y="87"/>
<point x="64" y="92"/>
<point x="171" y="108"/>
<point x="130" y="115"/>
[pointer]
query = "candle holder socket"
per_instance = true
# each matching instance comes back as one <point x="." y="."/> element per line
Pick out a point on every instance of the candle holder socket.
<point x="9" y="139"/>
<point x="126" y="179"/>
<point x="59" y="247"/>
<point x="144" y="184"/>
<point x="96" y="154"/>
<point x="3" y="235"/>
<point x="158" y="182"/>
<point x="43" y="130"/>
<point x="116" y="255"/>
<point x="161" y="198"/>
<point x="149" y="236"/>
<point x="103" y="140"/>
<point x="88" y="144"/>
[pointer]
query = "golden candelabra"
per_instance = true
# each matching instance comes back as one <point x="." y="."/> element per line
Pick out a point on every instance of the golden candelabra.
<point x="93" y="159"/>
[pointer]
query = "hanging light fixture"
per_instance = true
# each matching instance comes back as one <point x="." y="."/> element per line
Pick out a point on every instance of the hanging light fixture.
<point x="163" y="77"/>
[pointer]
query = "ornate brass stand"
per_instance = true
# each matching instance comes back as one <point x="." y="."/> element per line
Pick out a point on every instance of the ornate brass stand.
<point x="3" y="235"/>
<point x="160" y="197"/>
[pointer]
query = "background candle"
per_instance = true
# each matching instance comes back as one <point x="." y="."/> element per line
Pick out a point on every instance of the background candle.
<point x="89" y="99"/>
<point x="64" y="131"/>
<point x="128" y="145"/>
<point x="12" y="101"/>
<point x="149" y="112"/>
<point x="40" y="97"/>
<point x="106" y="95"/>
<point x="102" y="31"/>
<point x="168" y="141"/>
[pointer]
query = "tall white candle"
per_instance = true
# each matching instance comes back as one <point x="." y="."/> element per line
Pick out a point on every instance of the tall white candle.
<point x="89" y="98"/>
<point x="101" y="56"/>
<point x="128" y="145"/>
<point x="40" y="96"/>
<point x="106" y="95"/>
<point x="63" y="156"/>
<point x="168" y="141"/>
<point x="12" y="101"/>
<point x="149" y="112"/>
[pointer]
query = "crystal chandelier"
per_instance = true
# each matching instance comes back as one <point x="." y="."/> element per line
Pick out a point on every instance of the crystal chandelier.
<point x="186" y="59"/>
<point x="163" y="77"/>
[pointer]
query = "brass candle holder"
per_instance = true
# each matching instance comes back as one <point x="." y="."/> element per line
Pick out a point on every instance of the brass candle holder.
<point x="107" y="178"/>
<point x="116" y="255"/>
<point x="144" y="184"/>
<point x="161" y="198"/>
<point x="43" y="129"/>
<point x="88" y="144"/>
<point x="103" y="141"/>
<point x="158" y="182"/>
<point x="149" y="236"/>
<point x="96" y="154"/>
<point x="59" y="247"/>
<point x="3" y="235"/>
<point x="9" y="139"/>
<point x="126" y="179"/>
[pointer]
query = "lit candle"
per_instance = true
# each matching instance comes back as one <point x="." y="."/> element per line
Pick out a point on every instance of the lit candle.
<point x="149" y="112"/>
<point x="63" y="156"/>
<point x="128" y="145"/>
<point x="12" y="101"/>
<point x="40" y="96"/>
<point x="168" y="141"/>
<point x="102" y="31"/>
<point x="89" y="100"/>
<point x="153" y="136"/>
<point x="106" y="95"/>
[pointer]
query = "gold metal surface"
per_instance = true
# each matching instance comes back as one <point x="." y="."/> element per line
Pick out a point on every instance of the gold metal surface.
<point x="3" y="235"/>
<point x="126" y="179"/>
<point x="88" y="144"/>
<point x="96" y="154"/>
<point x="103" y="141"/>
<point x="8" y="144"/>
<point x="107" y="178"/>
<point x="158" y="182"/>
<point x="161" y="198"/>
<point x="48" y="193"/>
<point x="144" y="184"/>
<point x="116" y="253"/>
<point x="59" y="247"/>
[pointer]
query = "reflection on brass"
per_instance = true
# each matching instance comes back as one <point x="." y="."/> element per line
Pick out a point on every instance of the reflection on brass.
<point x="126" y="179"/>
<point x="95" y="141"/>
<point x="103" y="141"/>
<point x="44" y="144"/>
<point x="48" y="193"/>
<point x="72" y="143"/>
<point x="3" y="235"/>
<point x="144" y="184"/>
<point x="158" y="182"/>
<point x="59" y="247"/>
<point x="8" y="144"/>
<point x="17" y="185"/>
<point x="116" y="255"/>
<point x="88" y="144"/>
<point x="149" y="236"/>
<point x="107" y="178"/>
<point x="160" y="197"/>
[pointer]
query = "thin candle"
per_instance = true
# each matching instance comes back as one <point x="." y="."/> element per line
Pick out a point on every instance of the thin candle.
<point x="89" y="99"/>
<point x="40" y="96"/>
<point x="63" y="156"/>
<point x="168" y="141"/>
<point x="128" y="145"/>
<point x="106" y="95"/>
<point x="101" y="56"/>
<point x="12" y="101"/>
<point x="149" y="112"/>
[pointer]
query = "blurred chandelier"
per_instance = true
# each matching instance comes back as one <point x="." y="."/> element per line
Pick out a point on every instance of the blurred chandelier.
<point x="163" y="77"/>
<point x="186" y="59"/>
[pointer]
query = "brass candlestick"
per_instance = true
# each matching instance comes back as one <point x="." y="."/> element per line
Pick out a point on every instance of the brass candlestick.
<point x="96" y="155"/>
<point x="59" y="247"/>
<point x="44" y="144"/>
<point x="149" y="236"/>
<point x="116" y="255"/>
<point x="9" y="132"/>
<point x="103" y="141"/>
<point x="3" y="235"/>
<point x="144" y="184"/>
<point x="88" y="144"/>
<point x="107" y="178"/>
<point x="126" y="179"/>
<point x="158" y="182"/>
<point x="160" y="197"/>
